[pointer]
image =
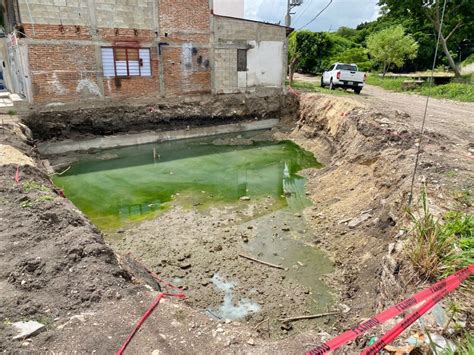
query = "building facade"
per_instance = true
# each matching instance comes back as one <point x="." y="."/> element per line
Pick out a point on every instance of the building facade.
<point x="75" y="50"/>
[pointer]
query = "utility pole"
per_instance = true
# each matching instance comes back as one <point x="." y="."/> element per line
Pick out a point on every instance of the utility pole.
<point x="291" y="5"/>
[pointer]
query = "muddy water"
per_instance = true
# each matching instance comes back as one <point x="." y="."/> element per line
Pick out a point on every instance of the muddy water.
<point x="116" y="188"/>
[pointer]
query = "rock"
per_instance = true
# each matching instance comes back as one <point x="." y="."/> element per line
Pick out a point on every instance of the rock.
<point x="27" y="329"/>
<point x="185" y="265"/>
<point x="251" y="342"/>
<point x="245" y="198"/>
<point x="285" y="229"/>
<point x="218" y="247"/>
<point x="358" y="220"/>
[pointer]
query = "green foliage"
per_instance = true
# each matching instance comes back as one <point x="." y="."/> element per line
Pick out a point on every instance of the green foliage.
<point x="438" y="248"/>
<point x="452" y="91"/>
<point x="468" y="60"/>
<point x="392" y="46"/>
<point x="357" y="55"/>
<point x="310" y="48"/>
<point x="388" y="83"/>
<point x="11" y="112"/>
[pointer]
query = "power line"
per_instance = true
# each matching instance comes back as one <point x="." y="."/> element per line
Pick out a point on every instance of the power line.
<point x="422" y="131"/>
<point x="318" y="14"/>
<point x="303" y="9"/>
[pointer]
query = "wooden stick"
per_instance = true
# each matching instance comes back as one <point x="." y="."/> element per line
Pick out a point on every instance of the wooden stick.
<point x="259" y="324"/>
<point x="313" y="316"/>
<point x="262" y="262"/>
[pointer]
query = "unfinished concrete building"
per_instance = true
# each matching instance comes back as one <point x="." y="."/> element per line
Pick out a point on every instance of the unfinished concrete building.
<point x="63" y="51"/>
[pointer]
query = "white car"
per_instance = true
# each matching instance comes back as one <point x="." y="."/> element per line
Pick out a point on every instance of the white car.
<point x="345" y="76"/>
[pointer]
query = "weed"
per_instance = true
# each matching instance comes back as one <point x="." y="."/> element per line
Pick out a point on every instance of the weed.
<point x="438" y="248"/>
<point x="33" y="185"/>
<point x="26" y="204"/>
<point x="464" y="346"/>
<point x="452" y="174"/>
<point x="428" y="246"/>
<point x="45" y="198"/>
<point x="463" y="91"/>
<point x="464" y="197"/>
<point x="11" y="112"/>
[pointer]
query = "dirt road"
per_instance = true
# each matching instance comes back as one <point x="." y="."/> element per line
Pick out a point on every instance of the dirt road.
<point x="447" y="117"/>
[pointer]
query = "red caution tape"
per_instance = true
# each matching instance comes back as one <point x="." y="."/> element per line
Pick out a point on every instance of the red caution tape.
<point x="152" y="307"/>
<point x="431" y="295"/>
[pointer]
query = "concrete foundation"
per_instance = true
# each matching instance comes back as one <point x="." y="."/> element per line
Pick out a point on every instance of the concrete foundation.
<point x="124" y="140"/>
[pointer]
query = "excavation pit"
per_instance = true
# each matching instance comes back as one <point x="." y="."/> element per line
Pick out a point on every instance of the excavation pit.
<point x="191" y="208"/>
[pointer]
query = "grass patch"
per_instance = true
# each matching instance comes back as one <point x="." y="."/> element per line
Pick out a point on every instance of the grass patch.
<point x="452" y="91"/>
<point x="437" y="248"/>
<point x="463" y="91"/>
<point x="394" y="84"/>
<point x="316" y="87"/>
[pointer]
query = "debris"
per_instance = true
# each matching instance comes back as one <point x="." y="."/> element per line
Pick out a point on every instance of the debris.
<point x="344" y="221"/>
<point x="260" y="323"/>
<point x="251" y="342"/>
<point x="312" y="316"/>
<point x="262" y="262"/>
<point x="358" y="220"/>
<point x="27" y="329"/>
<point x="245" y="198"/>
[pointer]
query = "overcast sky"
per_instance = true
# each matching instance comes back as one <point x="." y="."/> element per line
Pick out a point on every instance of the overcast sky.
<point x="348" y="13"/>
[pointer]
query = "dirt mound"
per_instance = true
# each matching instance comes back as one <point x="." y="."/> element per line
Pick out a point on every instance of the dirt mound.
<point x="362" y="194"/>
<point x="68" y="122"/>
<point x="53" y="261"/>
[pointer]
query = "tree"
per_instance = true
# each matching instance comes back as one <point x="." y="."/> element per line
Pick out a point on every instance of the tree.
<point x="458" y="20"/>
<point x="392" y="46"/>
<point x="356" y="55"/>
<point x="306" y="50"/>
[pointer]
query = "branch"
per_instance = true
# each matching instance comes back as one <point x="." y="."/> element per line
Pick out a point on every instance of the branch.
<point x="313" y="316"/>
<point x="460" y="24"/>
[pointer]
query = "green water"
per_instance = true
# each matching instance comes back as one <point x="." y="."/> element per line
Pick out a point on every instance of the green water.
<point x="116" y="186"/>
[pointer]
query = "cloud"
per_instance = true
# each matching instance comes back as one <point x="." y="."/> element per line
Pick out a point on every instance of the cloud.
<point x="349" y="13"/>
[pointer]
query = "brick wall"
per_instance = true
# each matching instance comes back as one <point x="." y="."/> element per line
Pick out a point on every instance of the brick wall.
<point x="185" y="27"/>
<point x="71" y="75"/>
<point x="66" y="38"/>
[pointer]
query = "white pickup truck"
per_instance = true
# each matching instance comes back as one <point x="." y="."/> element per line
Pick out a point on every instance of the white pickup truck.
<point x="342" y="75"/>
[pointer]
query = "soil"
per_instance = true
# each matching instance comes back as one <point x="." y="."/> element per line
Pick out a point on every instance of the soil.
<point x="358" y="217"/>
<point x="167" y="114"/>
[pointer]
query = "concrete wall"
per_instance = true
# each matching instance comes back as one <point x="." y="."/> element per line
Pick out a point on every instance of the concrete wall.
<point x="101" y="13"/>
<point x="233" y="8"/>
<point x="266" y="47"/>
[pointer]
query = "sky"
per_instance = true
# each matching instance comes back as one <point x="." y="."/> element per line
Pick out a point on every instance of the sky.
<point x="347" y="13"/>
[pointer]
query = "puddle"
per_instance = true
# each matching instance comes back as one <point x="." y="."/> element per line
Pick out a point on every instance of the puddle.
<point x="230" y="309"/>
<point x="116" y="186"/>
<point x="283" y="239"/>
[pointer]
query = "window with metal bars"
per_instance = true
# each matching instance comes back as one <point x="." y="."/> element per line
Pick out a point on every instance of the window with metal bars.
<point x="241" y="60"/>
<point x="126" y="62"/>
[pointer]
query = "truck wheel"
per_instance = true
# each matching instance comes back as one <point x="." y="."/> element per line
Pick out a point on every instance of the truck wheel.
<point x="331" y="85"/>
<point x="322" y="82"/>
<point x="357" y="91"/>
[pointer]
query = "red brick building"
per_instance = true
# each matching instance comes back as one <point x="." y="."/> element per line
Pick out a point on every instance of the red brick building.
<point x="60" y="51"/>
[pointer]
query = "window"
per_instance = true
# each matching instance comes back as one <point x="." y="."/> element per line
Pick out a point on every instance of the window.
<point x="349" y="67"/>
<point x="125" y="62"/>
<point x="241" y="60"/>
